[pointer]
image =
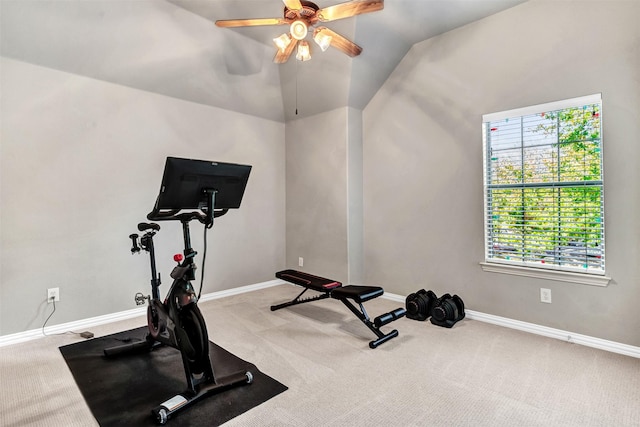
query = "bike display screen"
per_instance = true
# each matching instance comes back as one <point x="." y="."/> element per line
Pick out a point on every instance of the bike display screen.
<point x="185" y="182"/>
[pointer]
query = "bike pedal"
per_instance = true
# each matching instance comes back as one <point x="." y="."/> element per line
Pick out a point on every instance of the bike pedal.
<point x="140" y="298"/>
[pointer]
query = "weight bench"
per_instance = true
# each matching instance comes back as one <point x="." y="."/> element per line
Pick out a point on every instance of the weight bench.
<point x="348" y="295"/>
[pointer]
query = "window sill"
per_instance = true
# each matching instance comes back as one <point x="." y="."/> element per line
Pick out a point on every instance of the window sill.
<point x="562" y="276"/>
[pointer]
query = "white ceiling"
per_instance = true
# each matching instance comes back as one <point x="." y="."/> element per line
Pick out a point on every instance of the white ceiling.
<point x="173" y="48"/>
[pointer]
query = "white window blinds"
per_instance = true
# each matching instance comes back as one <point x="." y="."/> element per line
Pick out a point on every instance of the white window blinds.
<point x="543" y="186"/>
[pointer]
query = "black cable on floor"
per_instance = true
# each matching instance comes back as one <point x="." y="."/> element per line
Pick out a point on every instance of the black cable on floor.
<point x="61" y="333"/>
<point x="45" y="322"/>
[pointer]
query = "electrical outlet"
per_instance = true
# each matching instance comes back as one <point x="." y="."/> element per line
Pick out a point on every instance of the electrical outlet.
<point x="300" y="261"/>
<point x="53" y="294"/>
<point x="545" y="295"/>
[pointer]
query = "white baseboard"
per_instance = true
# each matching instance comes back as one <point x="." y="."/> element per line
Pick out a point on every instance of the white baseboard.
<point x="84" y="324"/>
<point x="80" y="325"/>
<point x="240" y="290"/>
<point x="77" y="326"/>
<point x="571" y="337"/>
<point x="612" y="346"/>
<point x="394" y="297"/>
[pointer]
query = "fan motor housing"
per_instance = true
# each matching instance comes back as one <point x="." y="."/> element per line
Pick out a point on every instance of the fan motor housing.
<point x="308" y="12"/>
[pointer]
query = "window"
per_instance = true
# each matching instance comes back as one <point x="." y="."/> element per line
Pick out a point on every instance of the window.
<point x="543" y="187"/>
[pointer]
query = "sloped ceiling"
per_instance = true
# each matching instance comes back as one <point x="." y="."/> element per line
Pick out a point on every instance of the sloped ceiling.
<point x="173" y="48"/>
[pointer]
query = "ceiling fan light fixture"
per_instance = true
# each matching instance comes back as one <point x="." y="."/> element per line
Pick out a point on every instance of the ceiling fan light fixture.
<point x="323" y="40"/>
<point x="304" y="52"/>
<point x="298" y="29"/>
<point x="302" y="17"/>
<point x="282" y="41"/>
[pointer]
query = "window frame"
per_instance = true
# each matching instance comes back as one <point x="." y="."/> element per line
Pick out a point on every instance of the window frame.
<point x="524" y="268"/>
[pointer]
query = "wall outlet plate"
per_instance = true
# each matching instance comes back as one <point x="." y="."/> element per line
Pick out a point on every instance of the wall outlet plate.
<point x="53" y="294"/>
<point x="545" y="295"/>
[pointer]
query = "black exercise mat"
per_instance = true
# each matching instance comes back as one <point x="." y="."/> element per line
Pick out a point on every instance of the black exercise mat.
<point x="122" y="391"/>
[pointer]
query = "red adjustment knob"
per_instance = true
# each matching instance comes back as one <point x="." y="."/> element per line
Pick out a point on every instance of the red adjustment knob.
<point x="178" y="257"/>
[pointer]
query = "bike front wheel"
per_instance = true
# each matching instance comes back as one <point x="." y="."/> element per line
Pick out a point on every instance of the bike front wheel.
<point x="194" y="341"/>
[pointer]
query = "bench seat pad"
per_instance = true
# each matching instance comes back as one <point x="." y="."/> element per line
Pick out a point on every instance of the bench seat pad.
<point x="307" y="280"/>
<point x="357" y="293"/>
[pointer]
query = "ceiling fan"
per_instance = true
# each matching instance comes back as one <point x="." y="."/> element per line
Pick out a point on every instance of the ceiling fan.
<point x="303" y="16"/>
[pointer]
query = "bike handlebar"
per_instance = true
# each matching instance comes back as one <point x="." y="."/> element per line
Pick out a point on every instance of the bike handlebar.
<point x="143" y="226"/>
<point x="157" y="215"/>
<point x="134" y="243"/>
<point x="205" y="216"/>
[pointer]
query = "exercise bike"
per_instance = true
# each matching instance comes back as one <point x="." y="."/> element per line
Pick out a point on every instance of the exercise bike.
<point x="177" y="321"/>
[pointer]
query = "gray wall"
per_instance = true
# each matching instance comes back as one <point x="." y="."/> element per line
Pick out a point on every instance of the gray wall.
<point x="81" y="162"/>
<point x="316" y="181"/>
<point x="423" y="204"/>
<point x="354" y="196"/>
<point x="324" y="194"/>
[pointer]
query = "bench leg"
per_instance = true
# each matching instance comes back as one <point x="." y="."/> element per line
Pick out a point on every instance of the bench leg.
<point x="364" y="318"/>
<point x="384" y="338"/>
<point x="299" y="300"/>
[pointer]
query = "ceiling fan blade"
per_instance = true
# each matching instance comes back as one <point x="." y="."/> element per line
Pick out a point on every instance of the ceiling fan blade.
<point x="228" y="23"/>
<point x="283" y="56"/>
<point x="293" y="4"/>
<point x="348" y="9"/>
<point x="342" y="43"/>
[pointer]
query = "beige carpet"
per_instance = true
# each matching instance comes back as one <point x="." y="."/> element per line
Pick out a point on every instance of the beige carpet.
<point x="475" y="374"/>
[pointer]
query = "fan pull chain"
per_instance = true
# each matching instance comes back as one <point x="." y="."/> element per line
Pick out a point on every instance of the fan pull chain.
<point x="296" y="88"/>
